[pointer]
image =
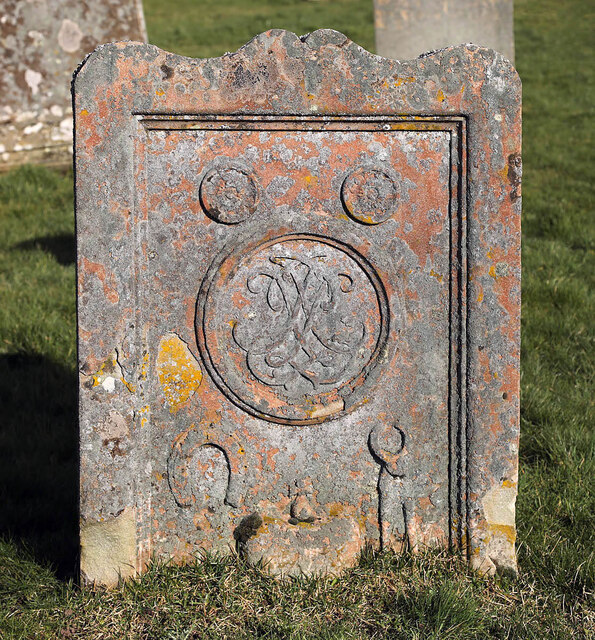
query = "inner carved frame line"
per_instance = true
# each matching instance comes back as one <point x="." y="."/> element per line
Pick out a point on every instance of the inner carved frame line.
<point x="457" y="127"/>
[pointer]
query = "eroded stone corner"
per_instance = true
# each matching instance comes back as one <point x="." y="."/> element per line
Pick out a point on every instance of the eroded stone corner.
<point x="498" y="553"/>
<point x="108" y="549"/>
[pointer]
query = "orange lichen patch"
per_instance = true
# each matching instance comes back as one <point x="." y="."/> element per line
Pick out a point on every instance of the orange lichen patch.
<point x="178" y="371"/>
<point x="440" y="95"/>
<point x="107" y="280"/>
<point x="400" y="81"/>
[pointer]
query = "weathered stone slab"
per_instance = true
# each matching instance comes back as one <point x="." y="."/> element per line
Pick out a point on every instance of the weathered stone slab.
<point x="299" y="289"/>
<point x="407" y="28"/>
<point x="41" y="42"/>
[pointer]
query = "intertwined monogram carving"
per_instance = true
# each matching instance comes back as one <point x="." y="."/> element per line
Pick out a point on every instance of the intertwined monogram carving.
<point x="291" y="327"/>
<point x="311" y="339"/>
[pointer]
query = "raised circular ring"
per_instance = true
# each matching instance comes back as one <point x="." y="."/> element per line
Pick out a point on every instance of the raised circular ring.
<point x="290" y="328"/>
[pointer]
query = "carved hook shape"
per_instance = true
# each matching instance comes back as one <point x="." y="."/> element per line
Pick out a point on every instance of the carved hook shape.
<point x="387" y="442"/>
<point x="184" y="450"/>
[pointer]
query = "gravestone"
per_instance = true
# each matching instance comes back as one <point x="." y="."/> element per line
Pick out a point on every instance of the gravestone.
<point x="298" y="295"/>
<point x="41" y="42"/>
<point x="407" y="28"/>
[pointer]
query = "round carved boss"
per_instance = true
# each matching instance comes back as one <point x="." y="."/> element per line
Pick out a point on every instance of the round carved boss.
<point x="290" y="328"/>
<point x="370" y="195"/>
<point x="229" y="194"/>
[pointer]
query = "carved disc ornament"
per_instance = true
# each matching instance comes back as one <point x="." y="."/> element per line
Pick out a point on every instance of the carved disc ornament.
<point x="229" y="194"/>
<point x="291" y="327"/>
<point x="370" y="195"/>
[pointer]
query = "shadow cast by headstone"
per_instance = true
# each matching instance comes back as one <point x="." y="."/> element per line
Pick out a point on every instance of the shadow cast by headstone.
<point x="62" y="247"/>
<point x="39" y="459"/>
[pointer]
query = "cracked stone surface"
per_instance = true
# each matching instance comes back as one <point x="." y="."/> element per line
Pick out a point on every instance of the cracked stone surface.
<point x="41" y="44"/>
<point x="299" y="303"/>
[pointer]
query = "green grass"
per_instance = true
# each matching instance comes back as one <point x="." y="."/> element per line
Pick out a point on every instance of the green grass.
<point x="387" y="596"/>
<point x="205" y="28"/>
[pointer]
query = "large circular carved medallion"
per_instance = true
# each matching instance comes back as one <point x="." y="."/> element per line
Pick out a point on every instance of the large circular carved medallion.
<point x="291" y="327"/>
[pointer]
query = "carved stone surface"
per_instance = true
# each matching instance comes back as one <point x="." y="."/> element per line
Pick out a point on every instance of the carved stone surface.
<point x="299" y="289"/>
<point x="408" y="28"/>
<point x="41" y="43"/>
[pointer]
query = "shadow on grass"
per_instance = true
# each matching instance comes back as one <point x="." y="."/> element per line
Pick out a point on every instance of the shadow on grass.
<point x="39" y="459"/>
<point x="61" y="246"/>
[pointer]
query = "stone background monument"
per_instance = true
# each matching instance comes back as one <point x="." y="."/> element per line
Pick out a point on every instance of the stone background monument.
<point x="299" y="304"/>
<point x="41" y="43"/>
<point x="407" y="28"/>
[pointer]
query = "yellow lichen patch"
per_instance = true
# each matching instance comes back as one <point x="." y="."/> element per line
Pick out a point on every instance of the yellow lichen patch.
<point x="504" y="531"/>
<point x="336" y="509"/>
<point x="178" y="372"/>
<point x="143" y="412"/>
<point x="108" y="548"/>
<point x="144" y="368"/>
<point x="400" y="81"/>
<point x="436" y="275"/>
<point x="440" y="95"/>
<point x="492" y="272"/>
